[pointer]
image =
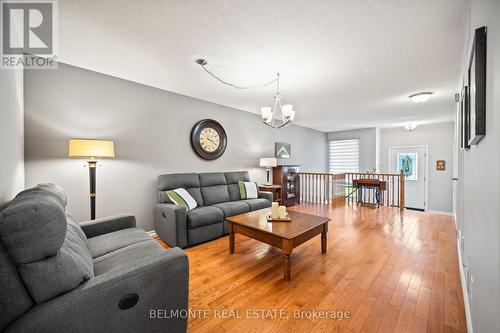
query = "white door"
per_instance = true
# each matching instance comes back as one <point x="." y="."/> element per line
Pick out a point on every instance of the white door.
<point x="412" y="160"/>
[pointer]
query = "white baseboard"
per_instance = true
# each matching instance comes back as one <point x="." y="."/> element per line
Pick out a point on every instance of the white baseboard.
<point x="468" y="316"/>
<point x="440" y="212"/>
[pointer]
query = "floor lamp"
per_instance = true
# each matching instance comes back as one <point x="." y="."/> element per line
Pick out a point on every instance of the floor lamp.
<point x="92" y="151"/>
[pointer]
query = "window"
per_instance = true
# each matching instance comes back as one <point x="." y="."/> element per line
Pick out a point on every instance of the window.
<point x="344" y="156"/>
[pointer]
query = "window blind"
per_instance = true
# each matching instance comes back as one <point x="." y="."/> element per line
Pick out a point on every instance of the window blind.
<point x="344" y="156"/>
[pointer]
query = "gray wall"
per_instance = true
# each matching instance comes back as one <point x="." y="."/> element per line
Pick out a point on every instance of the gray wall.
<point x="11" y="133"/>
<point x="439" y="138"/>
<point x="367" y="145"/>
<point x="150" y="128"/>
<point x="479" y="212"/>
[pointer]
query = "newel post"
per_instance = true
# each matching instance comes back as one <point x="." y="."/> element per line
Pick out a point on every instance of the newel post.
<point x="401" y="191"/>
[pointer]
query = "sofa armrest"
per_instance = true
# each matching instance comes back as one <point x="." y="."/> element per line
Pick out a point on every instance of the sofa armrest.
<point x="108" y="224"/>
<point x="160" y="281"/>
<point x="170" y="224"/>
<point x="266" y="195"/>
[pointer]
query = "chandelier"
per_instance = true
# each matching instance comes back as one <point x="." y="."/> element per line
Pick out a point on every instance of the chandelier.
<point x="278" y="116"/>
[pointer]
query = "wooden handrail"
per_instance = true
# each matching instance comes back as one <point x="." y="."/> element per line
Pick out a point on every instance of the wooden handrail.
<point x="373" y="174"/>
<point x="320" y="173"/>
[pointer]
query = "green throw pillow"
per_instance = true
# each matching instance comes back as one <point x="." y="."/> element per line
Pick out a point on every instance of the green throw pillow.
<point x="248" y="190"/>
<point x="182" y="198"/>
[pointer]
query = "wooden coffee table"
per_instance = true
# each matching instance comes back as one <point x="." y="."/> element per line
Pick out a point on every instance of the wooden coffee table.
<point x="283" y="235"/>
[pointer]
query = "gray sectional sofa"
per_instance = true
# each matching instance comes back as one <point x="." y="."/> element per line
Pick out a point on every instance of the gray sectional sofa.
<point x="217" y="195"/>
<point x="100" y="276"/>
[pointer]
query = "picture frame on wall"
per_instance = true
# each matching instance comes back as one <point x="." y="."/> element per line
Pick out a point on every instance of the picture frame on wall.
<point x="282" y="150"/>
<point x="477" y="88"/>
<point x="464" y="118"/>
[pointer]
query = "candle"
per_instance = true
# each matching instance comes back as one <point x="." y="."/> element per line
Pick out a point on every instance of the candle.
<point x="282" y="212"/>
<point x="274" y="210"/>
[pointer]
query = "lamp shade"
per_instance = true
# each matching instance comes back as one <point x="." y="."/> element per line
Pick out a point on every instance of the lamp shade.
<point x="92" y="149"/>
<point x="267" y="162"/>
<point x="267" y="114"/>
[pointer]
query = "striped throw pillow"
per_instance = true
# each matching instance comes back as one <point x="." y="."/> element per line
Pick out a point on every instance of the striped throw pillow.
<point x="182" y="198"/>
<point x="248" y="190"/>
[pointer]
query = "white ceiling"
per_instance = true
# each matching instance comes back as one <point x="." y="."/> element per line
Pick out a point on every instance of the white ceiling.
<point x="343" y="64"/>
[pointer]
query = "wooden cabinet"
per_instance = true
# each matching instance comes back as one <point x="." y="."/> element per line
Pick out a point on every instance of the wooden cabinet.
<point x="287" y="176"/>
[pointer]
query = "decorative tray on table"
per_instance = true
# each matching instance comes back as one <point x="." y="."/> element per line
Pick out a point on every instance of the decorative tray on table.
<point x="286" y="219"/>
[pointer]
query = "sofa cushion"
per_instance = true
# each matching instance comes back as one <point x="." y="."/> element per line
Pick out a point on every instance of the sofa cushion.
<point x="189" y="181"/>
<point x="14" y="298"/>
<point x="212" y="179"/>
<point x="126" y="256"/>
<point x="256" y="204"/>
<point x="232" y="179"/>
<point x="214" y="194"/>
<point x="33" y="225"/>
<point x="234" y="176"/>
<point x="50" y="251"/>
<point x="176" y="180"/>
<point x="234" y="192"/>
<point x="204" y="233"/>
<point x="56" y="191"/>
<point x="106" y="243"/>
<point x="232" y="208"/>
<point x="76" y="229"/>
<point x="60" y="273"/>
<point x="213" y="188"/>
<point x="201" y="216"/>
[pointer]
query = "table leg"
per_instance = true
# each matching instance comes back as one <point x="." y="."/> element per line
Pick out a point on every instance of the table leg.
<point x="324" y="238"/>
<point x="287" y="267"/>
<point x="287" y="247"/>
<point x="231" y="238"/>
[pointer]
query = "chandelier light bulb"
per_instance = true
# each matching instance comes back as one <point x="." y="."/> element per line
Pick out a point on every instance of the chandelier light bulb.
<point x="267" y="114"/>
<point x="288" y="112"/>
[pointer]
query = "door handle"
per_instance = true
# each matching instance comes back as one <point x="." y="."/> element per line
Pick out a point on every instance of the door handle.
<point x="454" y="178"/>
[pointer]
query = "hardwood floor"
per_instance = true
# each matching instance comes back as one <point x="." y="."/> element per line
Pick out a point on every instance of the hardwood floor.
<point x="391" y="272"/>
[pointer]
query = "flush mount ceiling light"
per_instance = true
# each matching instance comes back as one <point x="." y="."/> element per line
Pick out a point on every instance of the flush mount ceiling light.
<point x="410" y="127"/>
<point x="420" y="97"/>
<point x="278" y="116"/>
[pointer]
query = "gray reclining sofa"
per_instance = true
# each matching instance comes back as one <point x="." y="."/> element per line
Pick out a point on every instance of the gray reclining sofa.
<point x="100" y="276"/>
<point x="217" y="195"/>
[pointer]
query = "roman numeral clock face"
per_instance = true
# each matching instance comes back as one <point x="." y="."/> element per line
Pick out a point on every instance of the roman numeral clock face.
<point x="208" y="139"/>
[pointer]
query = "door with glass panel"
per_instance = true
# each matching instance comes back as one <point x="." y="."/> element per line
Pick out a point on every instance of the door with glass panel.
<point x="412" y="161"/>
